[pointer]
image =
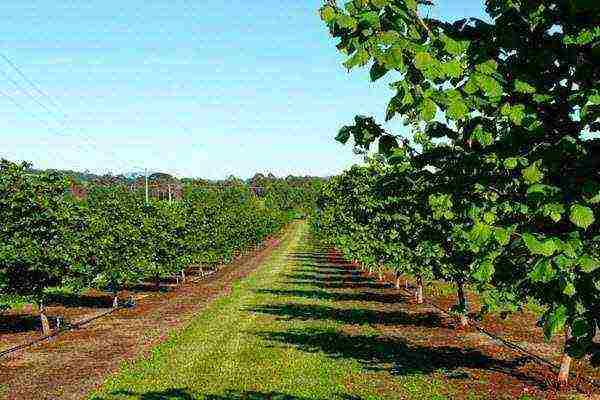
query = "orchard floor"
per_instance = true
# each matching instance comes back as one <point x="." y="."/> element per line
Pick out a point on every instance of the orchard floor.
<point x="306" y="325"/>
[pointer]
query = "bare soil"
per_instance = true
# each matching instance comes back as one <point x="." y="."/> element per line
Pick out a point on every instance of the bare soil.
<point x="475" y="361"/>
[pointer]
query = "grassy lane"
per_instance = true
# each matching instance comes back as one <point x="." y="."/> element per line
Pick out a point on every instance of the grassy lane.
<point x="285" y="332"/>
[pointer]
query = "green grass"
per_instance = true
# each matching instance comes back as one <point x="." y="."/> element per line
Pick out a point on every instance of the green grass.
<point x="233" y="350"/>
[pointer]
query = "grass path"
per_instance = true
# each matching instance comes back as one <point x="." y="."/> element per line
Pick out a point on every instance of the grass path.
<point x="240" y="348"/>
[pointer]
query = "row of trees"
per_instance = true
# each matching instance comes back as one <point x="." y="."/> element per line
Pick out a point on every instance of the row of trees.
<point x="112" y="238"/>
<point x="497" y="183"/>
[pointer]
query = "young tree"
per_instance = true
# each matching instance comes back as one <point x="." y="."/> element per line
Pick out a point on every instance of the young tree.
<point x="112" y="242"/>
<point x="36" y="234"/>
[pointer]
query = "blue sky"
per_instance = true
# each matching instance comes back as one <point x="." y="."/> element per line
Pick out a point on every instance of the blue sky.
<point x="195" y="88"/>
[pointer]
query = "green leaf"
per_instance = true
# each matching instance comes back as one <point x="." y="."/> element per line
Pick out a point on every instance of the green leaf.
<point x="471" y="86"/>
<point x="488" y="67"/>
<point x="454" y="47"/>
<point x="490" y="87"/>
<point x="457" y="109"/>
<point x="511" y="163"/>
<point x="588" y="264"/>
<point x="582" y="216"/>
<point x="542" y="98"/>
<point x="502" y="236"/>
<point x="483" y="137"/>
<point x="344" y="135"/>
<point x="328" y="14"/>
<point x="523" y="87"/>
<point x="359" y="58"/>
<point x="532" y="174"/>
<point x="370" y="19"/>
<point x="377" y="71"/>
<point x="423" y="60"/>
<point x="380" y="3"/>
<point x="516" y="112"/>
<point x="569" y="289"/>
<point x="555" y="321"/>
<point x="537" y="247"/>
<point x="346" y="21"/>
<point x="484" y="272"/>
<point x="554" y="211"/>
<point x="480" y="233"/>
<point x="453" y="69"/>
<point x="543" y="271"/>
<point x="428" y="110"/>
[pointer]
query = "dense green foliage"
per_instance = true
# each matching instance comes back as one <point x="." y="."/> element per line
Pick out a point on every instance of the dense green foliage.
<point x="36" y="230"/>
<point x="112" y="238"/>
<point x="503" y="115"/>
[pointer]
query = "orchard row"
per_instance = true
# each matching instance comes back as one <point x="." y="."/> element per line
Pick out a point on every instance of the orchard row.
<point x="113" y="238"/>
<point x="494" y="180"/>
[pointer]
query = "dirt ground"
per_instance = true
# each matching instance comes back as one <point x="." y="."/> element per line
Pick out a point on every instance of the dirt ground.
<point x="72" y="364"/>
<point x="478" y="362"/>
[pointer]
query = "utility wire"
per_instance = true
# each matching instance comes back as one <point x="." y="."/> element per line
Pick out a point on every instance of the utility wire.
<point x="50" y="128"/>
<point x="61" y="117"/>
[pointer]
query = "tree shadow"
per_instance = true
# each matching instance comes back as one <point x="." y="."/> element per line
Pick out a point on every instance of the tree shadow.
<point x="21" y="323"/>
<point x="337" y="285"/>
<point x="385" y="298"/>
<point x="150" y="287"/>
<point x="80" y="300"/>
<point x="351" y="278"/>
<point x="351" y="316"/>
<point x="320" y="258"/>
<point x="400" y="357"/>
<point x="185" y="394"/>
<point x="321" y="270"/>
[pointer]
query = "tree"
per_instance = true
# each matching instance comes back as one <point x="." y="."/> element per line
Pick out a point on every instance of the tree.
<point x="505" y="113"/>
<point x="114" y="249"/>
<point x="36" y="234"/>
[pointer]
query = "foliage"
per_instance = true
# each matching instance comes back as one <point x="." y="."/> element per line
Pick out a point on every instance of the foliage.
<point x="503" y="114"/>
<point x="112" y="238"/>
<point x="35" y="232"/>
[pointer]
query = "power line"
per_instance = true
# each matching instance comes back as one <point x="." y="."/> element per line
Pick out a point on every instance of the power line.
<point x="61" y="117"/>
<point x="34" y="116"/>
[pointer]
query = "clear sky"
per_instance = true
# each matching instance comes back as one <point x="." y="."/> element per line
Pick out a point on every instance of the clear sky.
<point x="195" y="88"/>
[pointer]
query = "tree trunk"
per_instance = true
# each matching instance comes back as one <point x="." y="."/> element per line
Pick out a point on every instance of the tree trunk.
<point x="419" y="291"/>
<point x="116" y="300"/>
<point x="44" y="319"/>
<point x="157" y="283"/>
<point x="183" y="276"/>
<point x="463" y="305"/>
<point x="565" y="365"/>
<point x="397" y="281"/>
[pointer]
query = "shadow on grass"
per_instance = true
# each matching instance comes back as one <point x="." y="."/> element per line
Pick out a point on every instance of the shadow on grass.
<point x="351" y="316"/>
<point x="185" y="394"/>
<point x="398" y="356"/>
<point x="385" y="298"/>
<point x="336" y="284"/>
<point x="350" y="278"/>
